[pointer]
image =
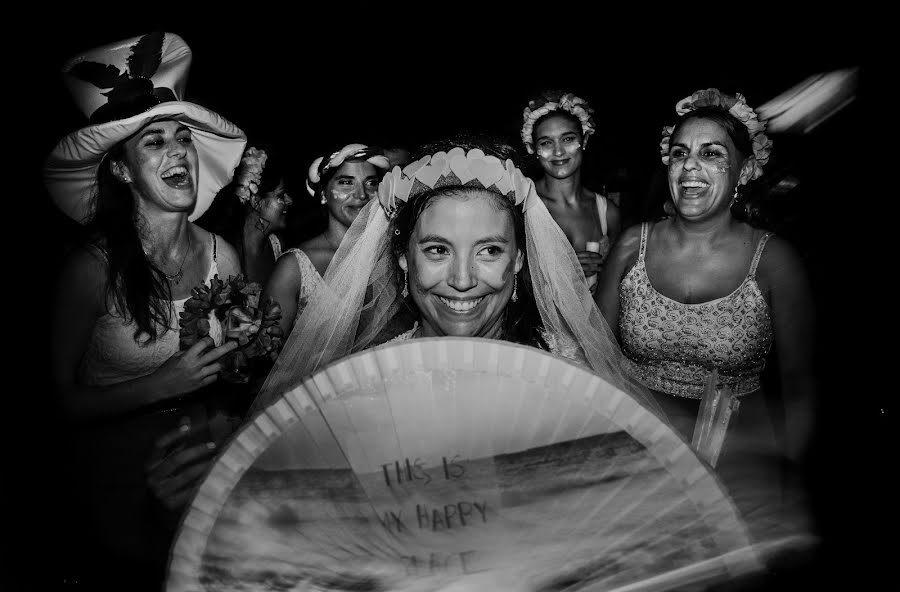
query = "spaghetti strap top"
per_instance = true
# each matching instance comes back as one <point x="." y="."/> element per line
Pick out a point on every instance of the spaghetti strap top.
<point x="672" y="347"/>
<point x="114" y="355"/>
<point x="276" y="246"/>
<point x="601" y="210"/>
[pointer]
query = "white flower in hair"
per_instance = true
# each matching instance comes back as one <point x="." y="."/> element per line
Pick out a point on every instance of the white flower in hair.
<point x="554" y="101"/>
<point x="249" y="174"/>
<point x="737" y="106"/>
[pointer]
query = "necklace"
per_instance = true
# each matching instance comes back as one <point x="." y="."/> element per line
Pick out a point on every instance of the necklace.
<point x="176" y="278"/>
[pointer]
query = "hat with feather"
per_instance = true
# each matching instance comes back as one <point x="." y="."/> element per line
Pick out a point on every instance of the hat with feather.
<point x="121" y="87"/>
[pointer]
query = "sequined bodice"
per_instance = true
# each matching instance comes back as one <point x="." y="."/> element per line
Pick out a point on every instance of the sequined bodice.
<point x="672" y="347"/>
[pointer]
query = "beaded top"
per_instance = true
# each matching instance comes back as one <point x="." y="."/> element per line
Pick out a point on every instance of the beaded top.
<point x="672" y="347"/>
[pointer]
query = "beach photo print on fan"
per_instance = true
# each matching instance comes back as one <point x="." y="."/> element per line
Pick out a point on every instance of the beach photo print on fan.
<point x="457" y="464"/>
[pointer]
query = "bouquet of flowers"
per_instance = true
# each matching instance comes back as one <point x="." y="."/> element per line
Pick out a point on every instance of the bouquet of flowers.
<point x="230" y="310"/>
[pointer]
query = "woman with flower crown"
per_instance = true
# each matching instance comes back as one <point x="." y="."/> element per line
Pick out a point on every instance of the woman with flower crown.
<point x="556" y="127"/>
<point x="344" y="182"/>
<point x="705" y="290"/>
<point x="458" y="243"/>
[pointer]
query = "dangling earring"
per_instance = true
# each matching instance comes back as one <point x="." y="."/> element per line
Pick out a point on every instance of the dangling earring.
<point x="734" y="199"/>
<point x="515" y="296"/>
<point x="324" y="199"/>
<point x="405" y="292"/>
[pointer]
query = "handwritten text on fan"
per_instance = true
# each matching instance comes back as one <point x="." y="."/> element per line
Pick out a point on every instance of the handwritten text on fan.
<point x="458" y="514"/>
<point x="408" y="471"/>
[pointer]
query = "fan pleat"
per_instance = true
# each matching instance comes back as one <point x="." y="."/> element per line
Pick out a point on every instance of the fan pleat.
<point x="421" y="462"/>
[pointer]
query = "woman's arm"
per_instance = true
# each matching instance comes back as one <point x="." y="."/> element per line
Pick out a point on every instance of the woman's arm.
<point x="284" y="286"/>
<point x="793" y="322"/>
<point x="622" y="256"/>
<point x="80" y="301"/>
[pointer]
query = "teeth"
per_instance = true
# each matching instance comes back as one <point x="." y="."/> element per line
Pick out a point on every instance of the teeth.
<point x="177" y="170"/>
<point x="694" y="184"/>
<point x="461" y="305"/>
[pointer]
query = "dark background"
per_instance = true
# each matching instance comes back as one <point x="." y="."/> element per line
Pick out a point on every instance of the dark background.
<point x="311" y="83"/>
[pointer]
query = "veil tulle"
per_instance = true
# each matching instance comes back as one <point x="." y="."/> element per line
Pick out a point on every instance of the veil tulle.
<point x="359" y="304"/>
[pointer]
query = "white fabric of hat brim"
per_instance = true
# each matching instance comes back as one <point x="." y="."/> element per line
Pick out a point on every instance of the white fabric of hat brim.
<point x="70" y="172"/>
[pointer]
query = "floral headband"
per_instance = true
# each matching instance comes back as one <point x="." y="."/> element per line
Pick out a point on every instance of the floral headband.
<point x="320" y="166"/>
<point x="554" y="102"/>
<point x="453" y="169"/>
<point x="736" y="106"/>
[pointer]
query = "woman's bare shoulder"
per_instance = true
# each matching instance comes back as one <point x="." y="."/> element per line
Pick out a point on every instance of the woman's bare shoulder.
<point x="629" y="241"/>
<point x="781" y="264"/>
<point x="318" y="251"/>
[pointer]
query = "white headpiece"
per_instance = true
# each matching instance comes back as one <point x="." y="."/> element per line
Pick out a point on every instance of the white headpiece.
<point x="121" y="87"/>
<point x="555" y="101"/>
<point x="320" y="166"/>
<point x="736" y="106"/>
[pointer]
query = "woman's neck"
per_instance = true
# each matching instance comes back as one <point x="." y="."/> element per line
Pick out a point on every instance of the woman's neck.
<point x="334" y="234"/>
<point x="165" y="236"/>
<point x="567" y="190"/>
<point x="706" y="231"/>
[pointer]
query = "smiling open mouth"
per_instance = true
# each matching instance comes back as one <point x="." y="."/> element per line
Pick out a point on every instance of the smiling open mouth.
<point x="176" y="176"/>
<point x="461" y="306"/>
<point x="693" y="188"/>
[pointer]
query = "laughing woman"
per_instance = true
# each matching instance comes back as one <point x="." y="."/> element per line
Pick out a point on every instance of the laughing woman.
<point x="704" y="289"/>
<point x="145" y="166"/>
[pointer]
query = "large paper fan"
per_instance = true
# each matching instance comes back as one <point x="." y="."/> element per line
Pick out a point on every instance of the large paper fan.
<point x="457" y="464"/>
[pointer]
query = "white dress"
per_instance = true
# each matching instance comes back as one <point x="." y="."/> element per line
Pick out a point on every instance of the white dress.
<point x="310" y="280"/>
<point x="113" y="355"/>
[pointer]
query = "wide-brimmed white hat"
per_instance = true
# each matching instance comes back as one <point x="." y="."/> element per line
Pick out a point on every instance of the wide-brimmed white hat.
<point x="121" y="87"/>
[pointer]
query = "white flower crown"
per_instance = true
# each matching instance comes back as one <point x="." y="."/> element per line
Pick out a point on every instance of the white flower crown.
<point x="370" y="155"/>
<point x="455" y="168"/>
<point x="567" y="102"/>
<point x="737" y="106"/>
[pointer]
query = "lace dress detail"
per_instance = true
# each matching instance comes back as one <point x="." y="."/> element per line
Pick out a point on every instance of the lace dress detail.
<point x="310" y="280"/>
<point x="672" y="347"/>
<point x="113" y="355"/>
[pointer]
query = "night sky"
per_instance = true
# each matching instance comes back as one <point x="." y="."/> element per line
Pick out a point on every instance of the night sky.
<point x="310" y="86"/>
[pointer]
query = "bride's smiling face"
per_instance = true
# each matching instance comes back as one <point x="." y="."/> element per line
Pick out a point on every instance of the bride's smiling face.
<point x="462" y="260"/>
